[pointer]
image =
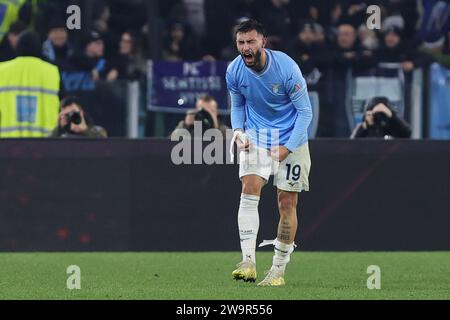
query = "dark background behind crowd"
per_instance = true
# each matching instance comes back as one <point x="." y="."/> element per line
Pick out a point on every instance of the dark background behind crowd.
<point x="325" y="37"/>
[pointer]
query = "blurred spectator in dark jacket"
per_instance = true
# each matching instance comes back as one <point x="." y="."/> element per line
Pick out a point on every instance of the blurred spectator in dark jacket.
<point x="321" y="37"/>
<point x="394" y="49"/>
<point x="368" y="38"/>
<point x="246" y="8"/>
<point x="400" y="13"/>
<point x="354" y="12"/>
<point x="275" y="16"/>
<point x="438" y="51"/>
<point x="57" y="49"/>
<point x="324" y="12"/>
<point x="180" y="44"/>
<point x="102" y="14"/>
<point x="348" y="51"/>
<point x="101" y="24"/>
<point x="381" y="121"/>
<point x="306" y="49"/>
<point x="129" y="15"/>
<point x="9" y="43"/>
<point x="335" y="15"/>
<point x="305" y="10"/>
<point x="347" y="55"/>
<point x="92" y="58"/>
<point x="128" y="63"/>
<point x="220" y="18"/>
<point x="43" y="13"/>
<point x="346" y="41"/>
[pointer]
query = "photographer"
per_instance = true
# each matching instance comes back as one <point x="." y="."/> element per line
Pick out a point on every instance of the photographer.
<point x="73" y="122"/>
<point x="380" y="121"/>
<point x="206" y="111"/>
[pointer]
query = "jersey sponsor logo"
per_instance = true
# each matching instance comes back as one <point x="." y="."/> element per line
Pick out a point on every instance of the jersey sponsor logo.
<point x="292" y="184"/>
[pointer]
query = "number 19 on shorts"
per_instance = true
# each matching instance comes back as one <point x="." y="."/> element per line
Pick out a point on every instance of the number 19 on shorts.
<point x="292" y="172"/>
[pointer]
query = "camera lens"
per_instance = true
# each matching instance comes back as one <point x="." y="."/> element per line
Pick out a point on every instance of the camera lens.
<point x="205" y="118"/>
<point x="74" y="117"/>
<point x="380" y="119"/>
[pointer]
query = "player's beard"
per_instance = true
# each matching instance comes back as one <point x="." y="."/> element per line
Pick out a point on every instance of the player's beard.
<point x="255" y="61"/>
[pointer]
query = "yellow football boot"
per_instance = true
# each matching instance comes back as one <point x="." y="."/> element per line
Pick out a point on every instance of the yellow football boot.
<point x="246" y="270"/>
<point x="273" y="278"/>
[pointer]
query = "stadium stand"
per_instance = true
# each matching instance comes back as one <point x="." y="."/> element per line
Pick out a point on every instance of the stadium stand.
<point x="328" y="39"/>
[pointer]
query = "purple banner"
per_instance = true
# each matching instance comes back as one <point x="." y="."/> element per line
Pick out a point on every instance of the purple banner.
<point x="175" y="86"/>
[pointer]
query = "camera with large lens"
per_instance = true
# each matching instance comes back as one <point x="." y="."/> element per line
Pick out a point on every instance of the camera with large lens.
<point x="380" y="119"/>
<point x="74" y="117"/>
<point x="205" y="118"/>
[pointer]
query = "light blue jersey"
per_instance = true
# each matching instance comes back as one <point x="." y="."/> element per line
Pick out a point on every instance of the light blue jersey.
<point x="274" y="100"/>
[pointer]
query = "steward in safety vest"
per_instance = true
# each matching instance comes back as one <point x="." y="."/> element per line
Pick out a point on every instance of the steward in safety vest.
<point x="29" y="87"/>
<point x="9" y="13"/>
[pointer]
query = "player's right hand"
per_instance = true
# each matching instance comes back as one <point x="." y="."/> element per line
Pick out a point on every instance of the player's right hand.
<point x="242" y="141"/>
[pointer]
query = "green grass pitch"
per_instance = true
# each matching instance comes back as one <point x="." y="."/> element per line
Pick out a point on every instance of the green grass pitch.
<point x="187" y="276"/>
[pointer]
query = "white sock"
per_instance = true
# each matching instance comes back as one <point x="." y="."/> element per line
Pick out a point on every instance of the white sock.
<point x="282" y="255"/>
<point x="248" y="223"/>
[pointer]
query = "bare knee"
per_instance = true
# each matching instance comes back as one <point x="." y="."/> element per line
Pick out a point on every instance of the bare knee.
<point x="252" y="185"/>
<point x="287" y="202"/>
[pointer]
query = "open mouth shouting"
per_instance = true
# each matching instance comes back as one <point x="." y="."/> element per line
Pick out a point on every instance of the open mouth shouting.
<point x="249" y="58"/>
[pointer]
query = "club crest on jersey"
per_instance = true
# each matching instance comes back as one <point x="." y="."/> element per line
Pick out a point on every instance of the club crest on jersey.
<point x="276" y="88"/>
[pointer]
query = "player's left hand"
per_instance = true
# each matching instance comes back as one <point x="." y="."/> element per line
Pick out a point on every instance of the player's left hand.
<point x="279" y="153"/>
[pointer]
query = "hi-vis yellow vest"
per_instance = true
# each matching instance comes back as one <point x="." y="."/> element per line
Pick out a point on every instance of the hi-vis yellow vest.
<point x="9" y="13"/>
<point x="29" y="102"/>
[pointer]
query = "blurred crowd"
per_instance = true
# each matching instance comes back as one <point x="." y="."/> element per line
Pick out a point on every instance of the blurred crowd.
<point x="323" y="36"/>
<point x="317" y="33"/>
<point x="111" y="49"/>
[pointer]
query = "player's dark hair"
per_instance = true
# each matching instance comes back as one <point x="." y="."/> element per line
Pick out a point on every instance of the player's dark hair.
<point x="250" y="25"/>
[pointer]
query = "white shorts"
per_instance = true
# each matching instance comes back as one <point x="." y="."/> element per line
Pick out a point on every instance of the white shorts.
<point x="289" y="175"/>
